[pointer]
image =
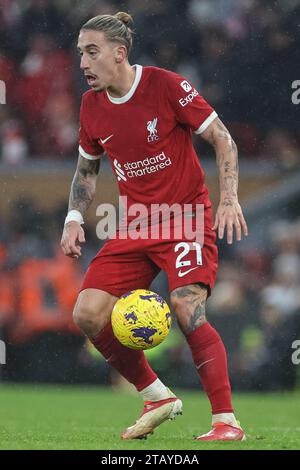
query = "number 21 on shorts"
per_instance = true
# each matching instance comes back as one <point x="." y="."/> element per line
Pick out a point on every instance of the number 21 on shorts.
<point x="184" y="250"/>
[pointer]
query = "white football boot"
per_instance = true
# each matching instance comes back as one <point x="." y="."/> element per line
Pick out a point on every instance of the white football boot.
<point x="154" y="413"/>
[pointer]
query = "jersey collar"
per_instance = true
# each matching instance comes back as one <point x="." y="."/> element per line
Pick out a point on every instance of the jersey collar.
<point x="125" y="98"/>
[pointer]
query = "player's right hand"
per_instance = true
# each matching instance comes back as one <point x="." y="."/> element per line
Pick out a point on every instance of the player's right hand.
<point x="72" y="236"/>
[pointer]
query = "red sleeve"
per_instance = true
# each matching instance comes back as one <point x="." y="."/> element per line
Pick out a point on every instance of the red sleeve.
<point x="189" y="106"/>
<point x="88" y="147"/>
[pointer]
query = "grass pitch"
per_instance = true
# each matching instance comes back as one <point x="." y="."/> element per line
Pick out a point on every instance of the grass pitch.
<point x="45" y="417"/>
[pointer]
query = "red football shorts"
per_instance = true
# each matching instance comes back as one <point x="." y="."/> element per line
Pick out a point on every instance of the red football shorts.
<point x="124" y="265"/>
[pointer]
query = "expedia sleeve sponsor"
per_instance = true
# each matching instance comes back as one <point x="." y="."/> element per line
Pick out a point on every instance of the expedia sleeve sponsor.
<point x="189" y="98"/>
<point x="189" y="106"/>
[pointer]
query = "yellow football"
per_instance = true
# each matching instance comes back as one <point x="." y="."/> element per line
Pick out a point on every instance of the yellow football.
<point x="141" y="319"/>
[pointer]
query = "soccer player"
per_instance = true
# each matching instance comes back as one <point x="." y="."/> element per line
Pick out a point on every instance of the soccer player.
<point x="138" y="115"/>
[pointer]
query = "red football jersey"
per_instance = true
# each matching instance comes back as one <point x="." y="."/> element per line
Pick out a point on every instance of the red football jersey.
<point x="147" y="135"/>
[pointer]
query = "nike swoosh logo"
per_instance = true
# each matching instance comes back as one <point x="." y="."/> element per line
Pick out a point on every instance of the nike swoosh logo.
<point x="181" y="274"/>
<point x="110" y="357"/>
<point x="205" y="362"/>
<point x="149" y="407"/>
<point x="105" y="140"/>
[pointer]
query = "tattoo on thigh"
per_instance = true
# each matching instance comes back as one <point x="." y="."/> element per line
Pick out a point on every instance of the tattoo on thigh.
<point x="191" y="313"/>
<point x="191" y="294"/>
<point x="184" y="292"/>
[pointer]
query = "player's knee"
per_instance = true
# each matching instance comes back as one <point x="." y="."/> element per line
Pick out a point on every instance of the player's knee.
<point x="87" y="319"/>
<point x="91" y="316"/>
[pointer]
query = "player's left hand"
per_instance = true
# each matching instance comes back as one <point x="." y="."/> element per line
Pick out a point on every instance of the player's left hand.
<point x="230" y="216"/>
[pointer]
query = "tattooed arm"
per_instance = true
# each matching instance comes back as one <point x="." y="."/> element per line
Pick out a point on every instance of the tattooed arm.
<point x="82" y="193"/>
<point x="84" y="184"/>
<point x="229" y="213"/>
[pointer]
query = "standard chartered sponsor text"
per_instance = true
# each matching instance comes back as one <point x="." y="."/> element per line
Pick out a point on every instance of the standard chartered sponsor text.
<point x="147" y="165"/>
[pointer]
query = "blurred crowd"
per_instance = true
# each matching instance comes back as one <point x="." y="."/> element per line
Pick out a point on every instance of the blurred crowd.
<point x="242" y="55"/>
<point x="255" y="306"/>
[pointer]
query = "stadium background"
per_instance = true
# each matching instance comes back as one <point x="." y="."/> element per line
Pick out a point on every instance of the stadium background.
<point x="242" y="55"/>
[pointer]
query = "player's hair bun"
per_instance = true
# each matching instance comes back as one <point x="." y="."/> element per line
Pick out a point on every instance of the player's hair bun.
<point x="125" y="18"/>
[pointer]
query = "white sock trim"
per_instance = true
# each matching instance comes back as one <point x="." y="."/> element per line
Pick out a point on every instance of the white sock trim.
<point x="227" y="418"/>
<point x="155" y="392"/>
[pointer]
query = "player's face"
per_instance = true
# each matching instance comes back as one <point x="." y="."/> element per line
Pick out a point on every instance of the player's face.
<point x="99" y="59"/>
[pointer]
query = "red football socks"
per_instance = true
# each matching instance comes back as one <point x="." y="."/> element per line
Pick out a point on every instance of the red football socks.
<point x="209" y="356"/>
<point x="210" y="359"/>
<point x="131" y="364"/>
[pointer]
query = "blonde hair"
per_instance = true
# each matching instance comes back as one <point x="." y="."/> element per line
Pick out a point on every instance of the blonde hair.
<point x="115" y="27"/>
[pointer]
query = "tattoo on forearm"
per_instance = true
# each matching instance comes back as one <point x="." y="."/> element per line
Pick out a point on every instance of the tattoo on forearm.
<point x="227" y="160"/>
<point x="227" y="166"/>
<point x="84" y="184"/>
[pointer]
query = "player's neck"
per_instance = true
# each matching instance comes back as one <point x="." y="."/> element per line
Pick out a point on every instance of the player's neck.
<point x="122" y="82"/>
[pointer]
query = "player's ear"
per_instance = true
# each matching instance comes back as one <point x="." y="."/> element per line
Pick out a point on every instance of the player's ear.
<point x="120" y="53"/>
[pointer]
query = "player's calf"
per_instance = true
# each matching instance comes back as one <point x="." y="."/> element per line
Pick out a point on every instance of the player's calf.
<point x="208" y="351"/>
